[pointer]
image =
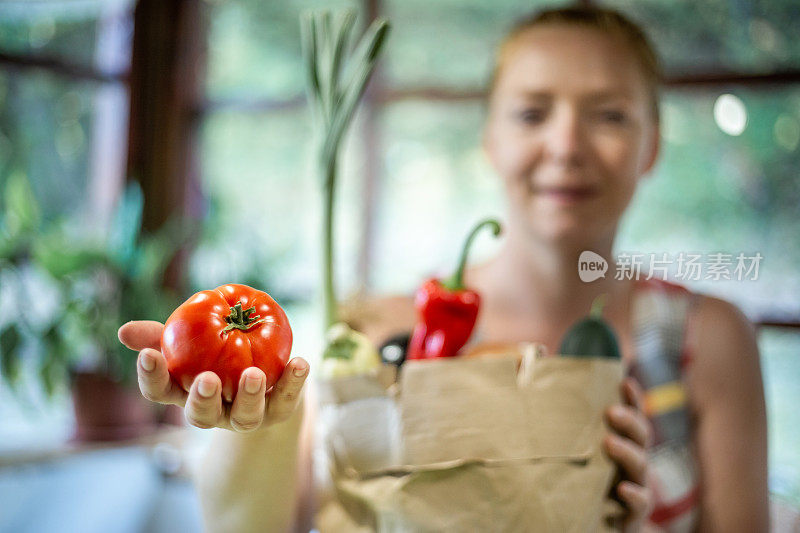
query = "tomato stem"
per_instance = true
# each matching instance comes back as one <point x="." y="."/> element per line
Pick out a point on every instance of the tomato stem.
<point x="241" y="318"/>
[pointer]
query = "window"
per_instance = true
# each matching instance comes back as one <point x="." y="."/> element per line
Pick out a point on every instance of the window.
<point x="717" y="36"/>
<point x="63" y="128"/>
<point x="64" y="102"/>
<point x="715" y="192"/>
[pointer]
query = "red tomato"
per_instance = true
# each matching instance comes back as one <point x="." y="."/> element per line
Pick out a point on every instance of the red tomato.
<point x="227" y="330"/>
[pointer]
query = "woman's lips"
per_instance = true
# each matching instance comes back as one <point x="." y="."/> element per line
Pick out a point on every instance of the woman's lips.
<point x="567" y="195"/>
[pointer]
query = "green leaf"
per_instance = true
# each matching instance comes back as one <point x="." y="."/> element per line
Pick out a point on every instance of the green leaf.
<point x="325" y="40"/>
<point x="365" y="55"/>
<point x="322" y="28"/>
<point x="309" y="46"/>
<point x="152" y="260"/>
<point x="54" y="361"/>
<point x="358" y="71"/>
<point x="8" y="245"/>
<point x="340" y="349"/>
<point x="61" y="258"/>
<point x="126" y="225"/>
<point x="10" y="361"/>
<point x="342" y="30"/>
<point x="49" y="378"/>
<point x="22" y="210"/>
<point x="156" y="251"/>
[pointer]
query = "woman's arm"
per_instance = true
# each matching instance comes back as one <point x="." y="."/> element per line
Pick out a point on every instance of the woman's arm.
<point x="247" y="479"/>
<point x="731" y="436"/>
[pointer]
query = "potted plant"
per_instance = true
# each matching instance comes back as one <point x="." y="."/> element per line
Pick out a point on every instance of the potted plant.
<point x="99" y="284"/>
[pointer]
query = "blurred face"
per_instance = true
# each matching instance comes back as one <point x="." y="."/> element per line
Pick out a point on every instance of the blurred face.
<point x="570" y="131"/>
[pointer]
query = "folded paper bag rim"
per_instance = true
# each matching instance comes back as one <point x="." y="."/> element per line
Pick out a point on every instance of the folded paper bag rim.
<point x="562" y="477"/>
<point x="476" y="410"/>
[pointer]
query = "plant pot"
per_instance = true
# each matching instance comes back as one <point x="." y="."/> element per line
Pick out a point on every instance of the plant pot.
<point x="106" y="410"/>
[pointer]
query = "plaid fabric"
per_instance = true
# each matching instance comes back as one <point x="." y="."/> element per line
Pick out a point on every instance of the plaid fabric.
<point x="659" y="315"/>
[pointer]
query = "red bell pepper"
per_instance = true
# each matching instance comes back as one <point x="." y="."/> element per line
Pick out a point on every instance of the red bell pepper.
<point x="446" y="309"/>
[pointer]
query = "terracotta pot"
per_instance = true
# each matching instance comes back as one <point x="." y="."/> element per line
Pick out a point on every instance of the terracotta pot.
<point x="108" y="411"/>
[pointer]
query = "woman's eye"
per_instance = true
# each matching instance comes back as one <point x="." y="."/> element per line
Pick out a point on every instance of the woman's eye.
<point x="613" y="116"/>
<point x="531" y="116"/>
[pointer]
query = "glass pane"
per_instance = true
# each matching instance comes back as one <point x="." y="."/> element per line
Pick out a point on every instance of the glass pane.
<point x="435" y="185"/>
<point x="254" y="47"/>
<point x="265" y="205"/>
<point x="448" y="43"/>
<point x="63" y="136"/>
<point x="711" y="192"/>
<point x="88" y="33"/>
<point x="715" y="192"/>
<point x="780" y="361"/>
<point x="760" y="36"/>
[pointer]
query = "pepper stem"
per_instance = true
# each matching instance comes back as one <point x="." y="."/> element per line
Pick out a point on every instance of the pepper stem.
<point x="242" y="319"/>
<point x="597" y="306"/>
<point x="456" y="281"/>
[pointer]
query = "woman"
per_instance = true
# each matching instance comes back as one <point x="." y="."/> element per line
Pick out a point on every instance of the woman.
<point x="572" y="127"/>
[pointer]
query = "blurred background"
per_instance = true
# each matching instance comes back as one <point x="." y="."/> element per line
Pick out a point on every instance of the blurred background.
<point x="155" y="148"/>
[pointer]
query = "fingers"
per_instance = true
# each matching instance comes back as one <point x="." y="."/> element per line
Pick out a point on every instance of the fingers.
<point x="141" y="334"/>
<point x="629" y="420"/>
<point x="633" y="393"/>
<point x="204" y="404"/>
<point x="629" y="455"/>
<point x="284" y="397"/>
<point x="154" y="379"/>
<point x="628" y="450"/>
<point x="638" y="500"/>
<point x="247" y="412"/>
<point x="630" y="423"/>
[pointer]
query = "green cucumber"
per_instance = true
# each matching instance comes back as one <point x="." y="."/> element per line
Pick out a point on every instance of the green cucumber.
<point x="591" y="336"/>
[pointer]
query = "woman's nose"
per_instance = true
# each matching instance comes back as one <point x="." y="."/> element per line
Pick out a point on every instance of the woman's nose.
<point x="564" y="142"/>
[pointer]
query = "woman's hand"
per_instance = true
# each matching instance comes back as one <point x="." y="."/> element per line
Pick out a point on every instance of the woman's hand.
<point x="627" y="447"/>
<point x="251" y="409"/>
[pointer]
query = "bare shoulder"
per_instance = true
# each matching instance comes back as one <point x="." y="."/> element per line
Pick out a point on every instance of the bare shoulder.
<point x="380" y="317"/>
<point x="727" y="396"/>
<point x="721" y="323"/>
<point x="725" y="353"/>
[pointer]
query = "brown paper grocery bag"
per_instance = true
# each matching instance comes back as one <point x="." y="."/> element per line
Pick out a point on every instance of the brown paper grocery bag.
<point x="486" y="444"/>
